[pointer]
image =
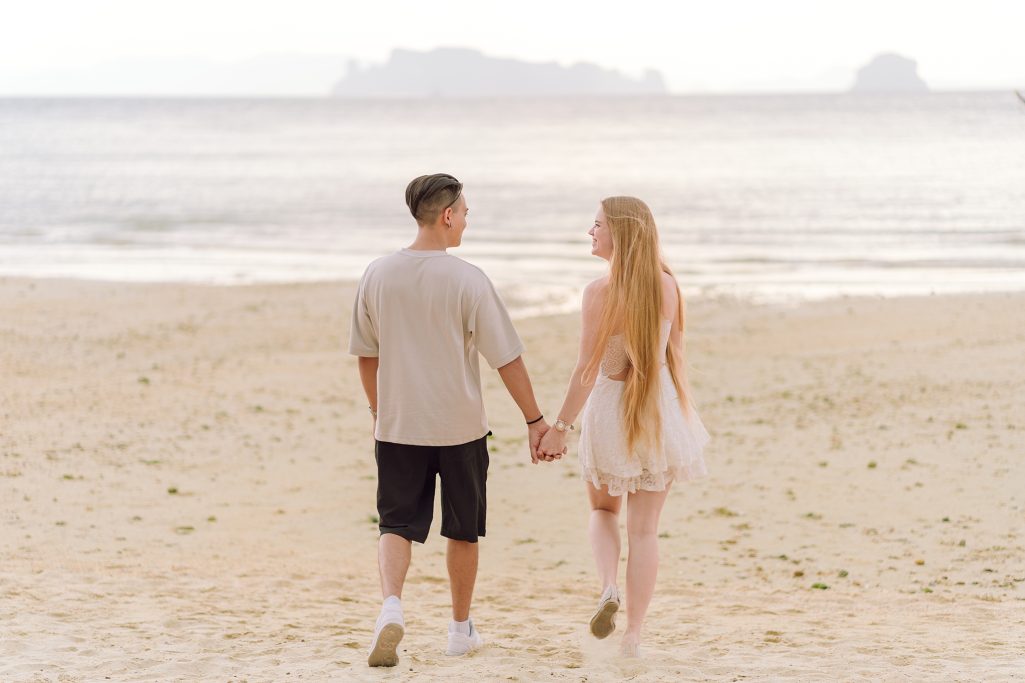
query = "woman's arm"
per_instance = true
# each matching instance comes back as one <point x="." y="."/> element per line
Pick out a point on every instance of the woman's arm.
<point x="578" y="391"/>
<point x="679" y="311"/>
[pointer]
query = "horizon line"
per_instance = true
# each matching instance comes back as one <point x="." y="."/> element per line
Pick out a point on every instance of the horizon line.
<point x="399" y="98"/>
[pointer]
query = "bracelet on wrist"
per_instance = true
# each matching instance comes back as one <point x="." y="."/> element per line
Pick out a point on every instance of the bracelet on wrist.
<point x="538" y="419"/>
<point x="372" y="411"/>
<point x="563" y="426"/>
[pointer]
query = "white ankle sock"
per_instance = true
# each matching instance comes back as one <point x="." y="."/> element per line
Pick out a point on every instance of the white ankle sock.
<point x="461" y="627"/>
<point x="391" y="612"/>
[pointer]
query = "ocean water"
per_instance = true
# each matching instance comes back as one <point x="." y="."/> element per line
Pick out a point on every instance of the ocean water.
<point x="764" y="197"/>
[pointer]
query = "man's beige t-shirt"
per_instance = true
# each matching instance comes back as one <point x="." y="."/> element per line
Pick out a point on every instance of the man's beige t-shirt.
<point x="426" y="315"/>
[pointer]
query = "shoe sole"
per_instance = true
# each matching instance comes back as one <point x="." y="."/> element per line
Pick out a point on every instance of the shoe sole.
<point x="385" y="652"/>
<point x="603" y="623"/>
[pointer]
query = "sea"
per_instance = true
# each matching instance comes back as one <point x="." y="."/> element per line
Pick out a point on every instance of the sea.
<point x="767" y="197"/>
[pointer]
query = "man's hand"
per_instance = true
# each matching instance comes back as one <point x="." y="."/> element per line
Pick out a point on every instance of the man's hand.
<point x="534" y="434"/>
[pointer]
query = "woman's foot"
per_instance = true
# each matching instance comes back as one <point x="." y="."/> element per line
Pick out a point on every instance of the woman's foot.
<point x="603" y="623"/>
<point x="631" y="645"/>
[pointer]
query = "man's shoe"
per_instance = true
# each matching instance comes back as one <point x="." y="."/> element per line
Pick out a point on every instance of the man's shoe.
<point x="388" y="634"/>
<point x="460" y="643"/>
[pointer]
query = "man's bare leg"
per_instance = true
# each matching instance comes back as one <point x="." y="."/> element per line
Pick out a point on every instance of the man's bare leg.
<point x="462" y="575"/>
<point x="393" y="556"/>
<point x="463" y="637"/>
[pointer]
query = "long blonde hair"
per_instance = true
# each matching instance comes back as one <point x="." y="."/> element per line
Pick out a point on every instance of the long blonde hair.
<point x="634" y="299"/>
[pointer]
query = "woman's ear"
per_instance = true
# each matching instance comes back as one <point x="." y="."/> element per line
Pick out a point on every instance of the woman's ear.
<point x="448" y="216"/>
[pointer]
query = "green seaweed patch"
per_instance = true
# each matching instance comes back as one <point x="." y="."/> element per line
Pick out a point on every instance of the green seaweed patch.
<point x="820" y="586"/>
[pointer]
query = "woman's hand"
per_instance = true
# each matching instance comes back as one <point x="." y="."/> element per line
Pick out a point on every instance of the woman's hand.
<point x="553" y="445"/>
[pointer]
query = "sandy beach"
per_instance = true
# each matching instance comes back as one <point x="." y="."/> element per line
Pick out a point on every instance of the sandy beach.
<point x="188" y="490"/>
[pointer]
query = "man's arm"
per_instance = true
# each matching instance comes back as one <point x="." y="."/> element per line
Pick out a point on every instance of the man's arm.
<point x="368" y="377"/>
<point x="517" y="382"/>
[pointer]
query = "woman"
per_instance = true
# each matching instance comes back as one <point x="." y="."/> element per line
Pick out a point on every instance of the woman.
<point x="639" y="431"/>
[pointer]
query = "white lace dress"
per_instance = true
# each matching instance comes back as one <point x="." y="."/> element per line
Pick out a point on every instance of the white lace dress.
<point x="603" y="452"/>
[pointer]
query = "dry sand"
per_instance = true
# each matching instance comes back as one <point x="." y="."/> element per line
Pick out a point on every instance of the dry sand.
<point x="188" y="482"/>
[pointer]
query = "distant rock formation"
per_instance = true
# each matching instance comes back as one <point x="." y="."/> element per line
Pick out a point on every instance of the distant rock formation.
<point x="458" y="72"/>
<point x="889" y="73"/>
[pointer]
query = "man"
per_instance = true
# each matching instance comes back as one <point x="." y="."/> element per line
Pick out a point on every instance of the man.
<point x="420" y="318"/>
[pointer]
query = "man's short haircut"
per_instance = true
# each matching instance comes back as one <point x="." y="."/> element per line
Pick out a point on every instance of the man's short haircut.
<point x="429" y="195"/>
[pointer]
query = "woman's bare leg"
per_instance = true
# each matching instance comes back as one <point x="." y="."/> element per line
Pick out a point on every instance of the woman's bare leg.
<point x="643" y="511"/>
<point x="603" y="530"/>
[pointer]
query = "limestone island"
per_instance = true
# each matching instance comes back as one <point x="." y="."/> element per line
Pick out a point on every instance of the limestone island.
<point x="889" y="72"/>
<point x="460" y="72"/>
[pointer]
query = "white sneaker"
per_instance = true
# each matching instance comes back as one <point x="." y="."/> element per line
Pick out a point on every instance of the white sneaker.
<point x="387" y="635"/>
<point x="460" y="643"/>
<point x="603" y="623"/>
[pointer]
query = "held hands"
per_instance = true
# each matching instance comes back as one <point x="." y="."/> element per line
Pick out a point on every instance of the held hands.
<point x="540" y="434"/>
<point x="534" y="433"/>
<point x="553" y="446"/>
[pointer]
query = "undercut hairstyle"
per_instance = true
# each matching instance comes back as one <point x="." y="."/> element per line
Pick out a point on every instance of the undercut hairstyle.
<point x="429" y="195"/>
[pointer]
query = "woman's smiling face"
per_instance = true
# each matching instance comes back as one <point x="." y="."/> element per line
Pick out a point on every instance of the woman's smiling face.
<point x="601" y="237"/>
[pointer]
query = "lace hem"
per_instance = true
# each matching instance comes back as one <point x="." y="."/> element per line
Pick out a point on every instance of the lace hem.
<point x="645" y="481"/>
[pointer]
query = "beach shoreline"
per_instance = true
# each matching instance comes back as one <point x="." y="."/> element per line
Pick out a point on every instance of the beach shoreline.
<point x="190" y="485"/>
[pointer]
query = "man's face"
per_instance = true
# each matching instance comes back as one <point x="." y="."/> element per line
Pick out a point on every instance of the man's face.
<point x="457" y="221"/>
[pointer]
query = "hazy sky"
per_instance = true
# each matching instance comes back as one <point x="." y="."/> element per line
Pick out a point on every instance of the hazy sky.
<point x="126" y="46"/>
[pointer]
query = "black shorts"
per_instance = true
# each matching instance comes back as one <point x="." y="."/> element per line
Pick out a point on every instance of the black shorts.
<point x="405" y="489"/>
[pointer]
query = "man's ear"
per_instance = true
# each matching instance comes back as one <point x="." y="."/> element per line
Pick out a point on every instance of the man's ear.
<point x="447" y="216"/>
